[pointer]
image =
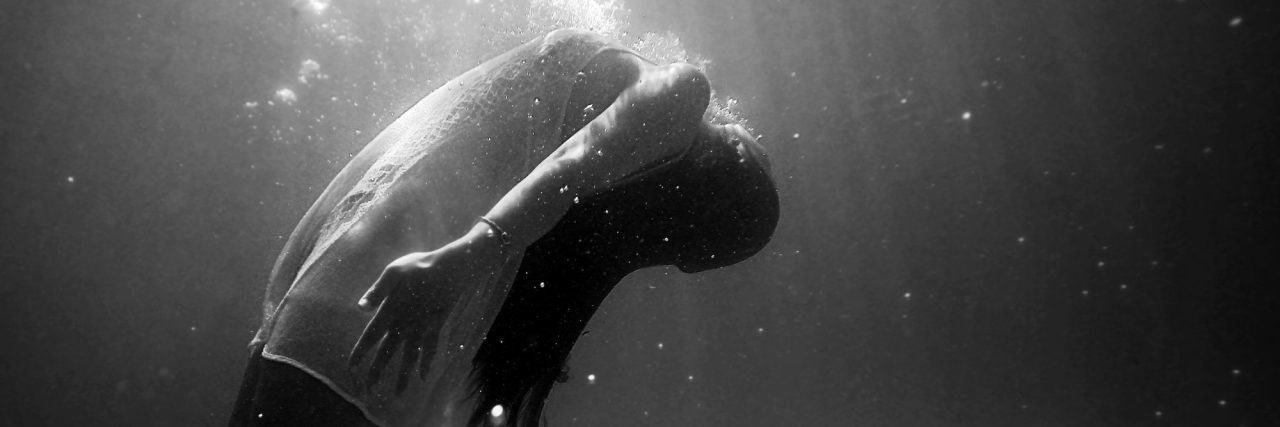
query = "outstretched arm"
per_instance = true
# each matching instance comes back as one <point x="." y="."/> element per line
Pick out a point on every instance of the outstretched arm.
<point x="653" y="120"/>
<point x="650" y="122"/>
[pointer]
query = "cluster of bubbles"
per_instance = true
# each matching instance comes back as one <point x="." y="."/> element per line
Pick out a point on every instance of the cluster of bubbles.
<point x="418" y="46"/>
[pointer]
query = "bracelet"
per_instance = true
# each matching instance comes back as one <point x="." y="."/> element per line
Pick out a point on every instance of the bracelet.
<point x="503" y="238"/>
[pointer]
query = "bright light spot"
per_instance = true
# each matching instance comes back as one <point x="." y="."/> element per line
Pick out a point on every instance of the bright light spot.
<point x="1159" y="414"/>
<point x="659" y="346"/>
<point x="1102" y="264"/>
<point x="591" y="378"/>
<point x="1235" y="372"/>
<point x="314" y="6"/>
<point x="71" y="180"/>
<point x="965" y="116"/>
<point x="793" y="74"/>
<point x="1123" y="286"/>
<point x="1022" y="239"/>
<point x="691" y="378"/>
<point x="496" y="412"/>
<point x="1084" y="292"/>
<point x="903" y="101"/>
<point x="907" y="295"/>
<point x="759" y="330"/>
<point x="286" y="96"/>
<point x="795" y="135"/>
<point x="251" y="104"/>
<point x="1236" y="21"/>
<point x="1222" y="403"/>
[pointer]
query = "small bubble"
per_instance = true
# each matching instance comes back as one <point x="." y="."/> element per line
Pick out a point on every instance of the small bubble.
<point x="965" y="116"/>
<point x="795" y="135"/>
<point x="591" y="378"/>
<point x="659" y="346"/>
<point x="1236" y="21"/>
<point x="71" y="180"/>
<point x="1084" y="292"/>
<point x="496" y="412"/>
<point x="907" y="295"/>
<point x="1022" y="239"/>
<point x="537" y="102"/>
<point x="575" y="200"/>
<point x="691" y="378"/>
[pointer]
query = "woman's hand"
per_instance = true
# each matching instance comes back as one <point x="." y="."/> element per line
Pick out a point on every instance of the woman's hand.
<point x="414" y="296"/>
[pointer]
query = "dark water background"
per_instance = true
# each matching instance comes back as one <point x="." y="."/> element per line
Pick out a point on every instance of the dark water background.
<point x="1093" y="244"/>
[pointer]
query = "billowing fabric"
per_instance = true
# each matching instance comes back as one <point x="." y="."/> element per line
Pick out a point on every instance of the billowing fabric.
<point x="419" y="184"/>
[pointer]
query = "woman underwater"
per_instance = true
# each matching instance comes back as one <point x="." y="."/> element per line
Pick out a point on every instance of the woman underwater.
<point x="508" y="203"/>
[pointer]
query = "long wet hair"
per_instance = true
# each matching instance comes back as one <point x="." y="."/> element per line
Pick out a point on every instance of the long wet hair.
<point x="711" y="208"/>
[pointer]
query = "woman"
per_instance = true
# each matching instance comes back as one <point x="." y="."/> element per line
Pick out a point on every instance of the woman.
<point x="568" y="160"/>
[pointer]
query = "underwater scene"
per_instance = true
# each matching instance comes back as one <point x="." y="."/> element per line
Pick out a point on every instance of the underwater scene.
<point x="639" y="213"/>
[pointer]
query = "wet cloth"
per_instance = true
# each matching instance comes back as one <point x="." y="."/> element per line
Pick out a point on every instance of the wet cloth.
<point x="419" y="184"/>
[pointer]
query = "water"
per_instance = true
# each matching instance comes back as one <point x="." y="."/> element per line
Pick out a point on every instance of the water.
<point x="994" y="213"/>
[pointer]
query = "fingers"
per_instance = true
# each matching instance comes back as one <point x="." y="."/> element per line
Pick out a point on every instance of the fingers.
<point x="428" y="350"/>
<point x="382" y="287"/>
<point x="383" y="356"/>
<point x="374" y="332"/>
<point x="407" y="363"/>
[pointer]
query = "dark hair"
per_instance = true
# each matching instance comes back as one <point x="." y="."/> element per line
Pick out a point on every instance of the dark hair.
<point x="711" y="208"/>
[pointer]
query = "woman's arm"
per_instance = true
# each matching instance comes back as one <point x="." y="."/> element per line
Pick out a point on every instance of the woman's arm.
<point x="654" y="119"/>
<point x="649" y="122"/>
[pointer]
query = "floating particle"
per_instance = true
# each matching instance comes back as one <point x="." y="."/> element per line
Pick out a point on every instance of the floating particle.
<point x="1236" y="21"/>
<point x="286" y="96"/>
<point x="906" y="295"/>
<point x="71" y="180"/>
<point x="1022" y="239"/>
<point x="659" y="346"/>
<point x="251" y="105"/>
<point x="308" y="69"/>
<point x="966" y="116"/>
<point x="497" y="411"/>
<point x="795" y="135"/>
<point x="591" y="378"/>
